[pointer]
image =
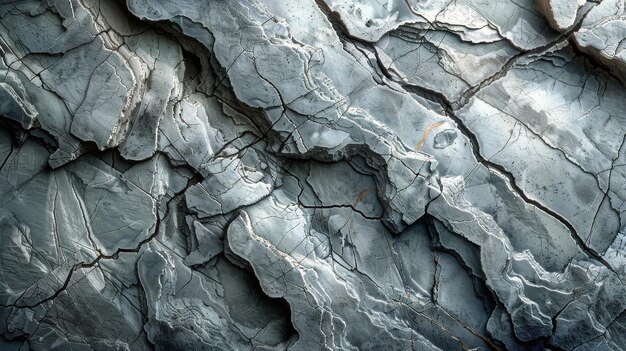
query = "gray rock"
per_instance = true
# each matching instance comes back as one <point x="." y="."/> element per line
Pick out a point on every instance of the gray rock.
<point x="444" y="139"/>
<point x="560" y="13"/>
<point x="601" y="34"/>
<point x="312" y="175"/>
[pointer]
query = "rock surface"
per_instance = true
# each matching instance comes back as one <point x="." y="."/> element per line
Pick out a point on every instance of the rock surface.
<point x="312" y="175"/>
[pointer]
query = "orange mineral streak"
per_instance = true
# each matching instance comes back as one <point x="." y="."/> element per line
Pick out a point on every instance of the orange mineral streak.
<point x="423" y="140"/>
<point x="362" y="195"/>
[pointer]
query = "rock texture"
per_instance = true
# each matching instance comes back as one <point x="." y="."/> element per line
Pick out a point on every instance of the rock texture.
<point x="312" y="175"/>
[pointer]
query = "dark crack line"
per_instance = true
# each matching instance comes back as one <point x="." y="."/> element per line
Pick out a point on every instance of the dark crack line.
<point x="194" y="180"/>
<point x="519" y="191"/>
<point x="449" y="112"/>
<point x="450" y="108"/>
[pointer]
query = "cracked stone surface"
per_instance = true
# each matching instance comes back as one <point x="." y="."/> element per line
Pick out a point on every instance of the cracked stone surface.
<point x="312" y="175"/>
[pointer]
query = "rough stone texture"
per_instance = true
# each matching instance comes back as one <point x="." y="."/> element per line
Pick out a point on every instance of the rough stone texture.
<point x="600" y="30"/>
<point x="312" y="175"/>
<point x="561" y="14"/>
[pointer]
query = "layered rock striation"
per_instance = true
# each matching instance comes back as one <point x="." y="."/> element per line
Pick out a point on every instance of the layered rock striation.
<point x="312" y="175"/>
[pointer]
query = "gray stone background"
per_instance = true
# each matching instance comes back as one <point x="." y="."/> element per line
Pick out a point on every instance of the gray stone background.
<point x="312" y="175"/>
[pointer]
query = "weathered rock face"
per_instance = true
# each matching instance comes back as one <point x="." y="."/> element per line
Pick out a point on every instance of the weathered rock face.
<point x="312" y="175"/>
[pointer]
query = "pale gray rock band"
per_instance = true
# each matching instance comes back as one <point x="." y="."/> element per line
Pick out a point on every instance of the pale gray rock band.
<point x="313" y="175"/>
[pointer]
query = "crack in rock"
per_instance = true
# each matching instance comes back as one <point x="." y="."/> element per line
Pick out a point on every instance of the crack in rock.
<point x="312" y="175"/>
